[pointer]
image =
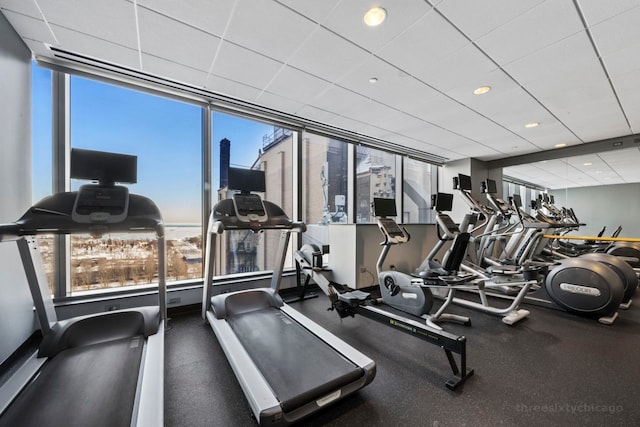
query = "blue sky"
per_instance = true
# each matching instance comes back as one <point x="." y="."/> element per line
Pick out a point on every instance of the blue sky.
<point x="163" y="133"/>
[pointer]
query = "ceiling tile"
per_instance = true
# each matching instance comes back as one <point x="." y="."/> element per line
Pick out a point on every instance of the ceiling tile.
<point x="174" y="71"/>
<point x="347" y="19"/>
<point x="30" y="28"/>
<point x="208" y="15"/>
<point x="327" y="55"/>
<point x="596" y="11"/>
<point x="425" y="43"/>
<point x="306" y="87"/>
<point x="244" y="66"/>
<point x="113" y="21"/>
<point x="169" y="39"/>
<point x="27" y="8"/>
<point x="537" y="28"/>
<point x="476" y="18"/>
<point x="269" y="28"/>
<point x="317" y="11"/>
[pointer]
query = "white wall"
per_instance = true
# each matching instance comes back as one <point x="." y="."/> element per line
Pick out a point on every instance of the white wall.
<point x="16" y="316"/>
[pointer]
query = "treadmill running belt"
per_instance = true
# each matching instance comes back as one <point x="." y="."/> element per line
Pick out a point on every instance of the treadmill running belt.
<point x="298" y="366"/>
<point x="83" y="386"/>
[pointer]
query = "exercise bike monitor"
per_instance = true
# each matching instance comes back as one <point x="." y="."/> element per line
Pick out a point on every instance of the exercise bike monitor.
<point x="490" y="186"/>
<point x="464" y="182"/>
<point x="384" y="207"/>
<point x="442" y="202"/>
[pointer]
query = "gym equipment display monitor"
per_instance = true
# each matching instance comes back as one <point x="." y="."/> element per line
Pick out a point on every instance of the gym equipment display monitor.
<point x="442" y="202"/>
<point x="106" y="168"/>
<point x="246" y="180"/>
<point x="249" y="207"/>
<point x="517" y="200"/>
<point x="464" y="182"/>
<point x="384" y="207"/>
<point x="492" y="187"/>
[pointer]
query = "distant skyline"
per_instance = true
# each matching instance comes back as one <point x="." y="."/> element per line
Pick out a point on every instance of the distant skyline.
<point x="165" y="135"/>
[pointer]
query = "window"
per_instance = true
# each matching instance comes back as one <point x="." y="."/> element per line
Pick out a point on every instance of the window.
<point x="325" y="180"/>
<point x="167" y="138"/>
<point x="419" y="183"/>
<point x="375" y="177"/>
<point x="244" y="143"/>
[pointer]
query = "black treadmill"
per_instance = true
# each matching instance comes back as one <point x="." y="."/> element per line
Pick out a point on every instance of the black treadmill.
<point x="287" y="365"/>
<point x="105" y="369"/>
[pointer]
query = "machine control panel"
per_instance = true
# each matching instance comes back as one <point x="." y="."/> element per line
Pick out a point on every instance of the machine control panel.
<point x="101" y="204"/>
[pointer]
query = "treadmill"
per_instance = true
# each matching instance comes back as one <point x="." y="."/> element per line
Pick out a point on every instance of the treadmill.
<point x="105" y="369"/>
<point x="287" y="365"/>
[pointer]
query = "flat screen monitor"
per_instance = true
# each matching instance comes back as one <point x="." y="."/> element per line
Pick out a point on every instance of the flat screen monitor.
<point x="443" y="202"/>
<point x="246" y="180"/>
<point x="492" y="187"/>
<point x="464" y="181"/>
<point x="545" y="197"/>
<point x="384" y="207"/>
<point x="552" y="199"/>
<point x="107" y="168"/>
<point x="517" y="200"/>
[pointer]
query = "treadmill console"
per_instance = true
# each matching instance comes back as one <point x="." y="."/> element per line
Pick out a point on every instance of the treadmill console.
<point x="100" y="204"/>
<point x="393" y="233"/>
<point x="249" y="207"/>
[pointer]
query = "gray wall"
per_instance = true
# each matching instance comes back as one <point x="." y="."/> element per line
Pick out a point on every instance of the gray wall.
<point x="16" y="315"/>
<point x="606" y="205"/>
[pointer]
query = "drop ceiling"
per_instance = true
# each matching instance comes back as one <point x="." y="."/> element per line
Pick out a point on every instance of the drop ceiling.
<point x="571" y="66"/>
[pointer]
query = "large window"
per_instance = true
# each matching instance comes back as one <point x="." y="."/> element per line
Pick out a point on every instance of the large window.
<point x="375" y="177"/>
<point x="335" y="180"/>
<point x="243" y="143"/>
<point x="325" y="180"/>
<point x="419" y="183"/>
<point x="166" y="137"/>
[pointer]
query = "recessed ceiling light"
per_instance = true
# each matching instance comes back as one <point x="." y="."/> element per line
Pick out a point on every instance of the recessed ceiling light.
<point x="587" y="164"/>
<point x="532" y="124"/>
<point x="598" y="171"/>
<point x="375" y="16"/>
<point x="482" y="90"/>
<point x="373" y="80"/>
<point x="560" y="145"/>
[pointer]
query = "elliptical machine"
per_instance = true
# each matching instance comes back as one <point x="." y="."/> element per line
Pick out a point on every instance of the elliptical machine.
<point x="582" y="286"/>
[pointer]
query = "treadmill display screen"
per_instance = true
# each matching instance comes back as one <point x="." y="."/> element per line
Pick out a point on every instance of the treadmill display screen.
<point x="248" y="204"/>
<point x="112" y="200"/>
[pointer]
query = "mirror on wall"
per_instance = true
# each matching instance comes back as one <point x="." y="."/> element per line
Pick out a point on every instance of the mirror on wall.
<point x="602" y="188"/>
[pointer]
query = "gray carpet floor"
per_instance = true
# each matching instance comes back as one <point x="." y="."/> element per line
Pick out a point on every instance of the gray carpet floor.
<point x="552" y="369"/>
